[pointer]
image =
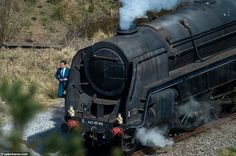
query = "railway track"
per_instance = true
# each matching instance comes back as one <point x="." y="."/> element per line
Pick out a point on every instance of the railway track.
<point x="157" y="150"/>
<point x="29" y="45"/>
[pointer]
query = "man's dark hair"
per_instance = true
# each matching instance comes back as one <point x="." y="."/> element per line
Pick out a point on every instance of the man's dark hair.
<point x="64" y="62"/>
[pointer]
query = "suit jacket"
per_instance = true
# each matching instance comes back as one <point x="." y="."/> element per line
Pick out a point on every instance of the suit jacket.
<point x="59" y="75"/>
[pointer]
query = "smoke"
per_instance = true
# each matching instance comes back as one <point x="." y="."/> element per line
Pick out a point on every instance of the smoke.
<point x="153" y="137"/>
<point x="132" y="9"/>
<point x="201" y="111"/>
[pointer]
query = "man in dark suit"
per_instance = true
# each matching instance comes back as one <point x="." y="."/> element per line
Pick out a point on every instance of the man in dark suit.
<point x="62" y="75"/>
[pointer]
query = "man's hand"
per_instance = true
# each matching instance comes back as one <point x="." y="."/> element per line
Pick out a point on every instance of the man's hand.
<point x="65" y="79"/>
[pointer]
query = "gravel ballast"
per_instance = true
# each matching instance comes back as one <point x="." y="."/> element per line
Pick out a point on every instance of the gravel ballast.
<point x="208" y="143"/>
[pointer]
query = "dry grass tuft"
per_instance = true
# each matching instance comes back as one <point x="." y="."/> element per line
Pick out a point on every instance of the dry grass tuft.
<point x="100" y="35"/>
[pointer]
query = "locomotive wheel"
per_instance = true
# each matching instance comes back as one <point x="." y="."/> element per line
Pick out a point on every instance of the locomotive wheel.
<point x="129" y="143"/>
<point x="187" y="123"/>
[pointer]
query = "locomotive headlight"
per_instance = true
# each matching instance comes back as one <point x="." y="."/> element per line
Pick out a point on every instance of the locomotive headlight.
<point x="71" y="111"/>
<point x="119" y="119"/>
<point x="105" y="70"/>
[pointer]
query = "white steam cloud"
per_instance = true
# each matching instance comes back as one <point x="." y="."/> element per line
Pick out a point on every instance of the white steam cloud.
<point x="132" y="9"/>
<point x="200" y="111"/>
<point x="153" y="137"/>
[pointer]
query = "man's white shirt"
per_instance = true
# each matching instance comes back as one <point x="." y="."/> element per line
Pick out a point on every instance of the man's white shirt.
<point x="63" y="72"/>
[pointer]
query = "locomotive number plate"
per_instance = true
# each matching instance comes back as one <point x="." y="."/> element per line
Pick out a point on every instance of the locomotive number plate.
<point x="98" y="123"/>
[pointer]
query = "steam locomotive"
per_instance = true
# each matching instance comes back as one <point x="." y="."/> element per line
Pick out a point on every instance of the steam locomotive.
<point x="143" y="76"/>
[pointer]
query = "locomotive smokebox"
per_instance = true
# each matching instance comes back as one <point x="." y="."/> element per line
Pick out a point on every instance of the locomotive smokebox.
<point x="133" y="29"/>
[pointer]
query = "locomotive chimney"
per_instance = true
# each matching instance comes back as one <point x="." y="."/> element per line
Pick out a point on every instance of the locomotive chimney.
<point x="133" y="29"/>
<point x="205" y="1"/>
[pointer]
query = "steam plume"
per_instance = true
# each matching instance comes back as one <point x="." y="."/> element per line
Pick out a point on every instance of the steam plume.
<point x="201" y="111"/>
<point x="153" y="137"/>
<point x="132" y="9"/>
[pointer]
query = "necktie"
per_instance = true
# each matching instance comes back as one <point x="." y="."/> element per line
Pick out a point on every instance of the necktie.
<point x="62" y="72"/>
<point x="64" y="69"/>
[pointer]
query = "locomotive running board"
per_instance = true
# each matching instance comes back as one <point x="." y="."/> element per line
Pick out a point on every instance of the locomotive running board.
<point x="195" y="69"/>
<point x="182" y="74"/>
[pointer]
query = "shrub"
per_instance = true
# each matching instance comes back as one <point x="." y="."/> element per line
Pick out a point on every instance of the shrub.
<point x="20" y="101"/>
<point x="11" y="19"/>
<point x="72" y="145"/>
<point x="22" y="106"/>
<point x="85" y="18"/>
<point x="95" y="15"/>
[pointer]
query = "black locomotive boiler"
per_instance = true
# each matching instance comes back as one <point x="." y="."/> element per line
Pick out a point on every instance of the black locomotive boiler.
<point x="143" y="76"/>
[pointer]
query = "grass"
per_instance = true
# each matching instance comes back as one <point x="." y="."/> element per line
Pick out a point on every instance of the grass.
<point x="44" y="21"/>
<point x="31" y="2"/>
<point x="85" y="18"/>
<point x="100" y="35"/>
<point x="228" y="152"/>
<point x="34" y="66"/>
<point x="56" y="20"/>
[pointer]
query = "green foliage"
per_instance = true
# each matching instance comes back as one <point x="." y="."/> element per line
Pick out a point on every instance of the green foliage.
<point x="44" y="21"/>
<point x="228" y="152"/>
<point x="57" y="13"/>
<point x="117" y="152"/>
<point x="16" y="141"/>
<point x="69" y="146"/>
<point x="22" y="104"/>
<point x="232" y="149"/>
<point x="22" y="107"/>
